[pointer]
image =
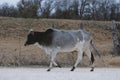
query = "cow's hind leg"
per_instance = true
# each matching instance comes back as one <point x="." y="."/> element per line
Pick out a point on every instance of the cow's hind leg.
<point x="91" y="57"/>
<point x="92" y="61"/>
<point x="79" y="58"/>
<point x="56" y="64"/>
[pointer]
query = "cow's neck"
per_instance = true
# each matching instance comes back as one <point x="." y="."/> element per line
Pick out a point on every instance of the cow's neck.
<point x="43" y="38"/>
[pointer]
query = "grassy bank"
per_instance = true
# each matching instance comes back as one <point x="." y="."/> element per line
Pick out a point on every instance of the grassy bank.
<point x="13" y="32"/>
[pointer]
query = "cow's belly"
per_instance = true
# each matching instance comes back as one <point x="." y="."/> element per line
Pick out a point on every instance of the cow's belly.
<point x="68" y="49"/>
<point x="78" y="46"/>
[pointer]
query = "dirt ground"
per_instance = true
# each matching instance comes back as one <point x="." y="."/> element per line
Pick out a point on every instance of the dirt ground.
<point x="13" y="32"/>
<point x="59" y="74"/>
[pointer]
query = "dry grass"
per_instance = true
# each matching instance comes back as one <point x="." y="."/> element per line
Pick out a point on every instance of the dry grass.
<point x="13" y="33"/>
<point x="115" y="61"/>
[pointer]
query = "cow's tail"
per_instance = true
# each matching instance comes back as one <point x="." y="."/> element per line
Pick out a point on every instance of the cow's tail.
<point x="94" y="47"/>
<point x="102" y="59"/>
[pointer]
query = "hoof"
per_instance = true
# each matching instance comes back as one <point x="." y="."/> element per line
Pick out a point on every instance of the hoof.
<point x="48" y="70"/>
<point x="92" y="69"/>
<point x="73" y="68"/>
<point x="59" y="66"/>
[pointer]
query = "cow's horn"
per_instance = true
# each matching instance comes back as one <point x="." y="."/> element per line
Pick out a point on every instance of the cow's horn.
<point x="31" y="30"/>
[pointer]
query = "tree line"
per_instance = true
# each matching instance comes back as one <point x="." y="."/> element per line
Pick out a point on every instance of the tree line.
<point x="63" y="9"/>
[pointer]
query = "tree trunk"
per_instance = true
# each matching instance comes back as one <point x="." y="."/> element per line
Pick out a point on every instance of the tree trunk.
<point x="115" y="39"/>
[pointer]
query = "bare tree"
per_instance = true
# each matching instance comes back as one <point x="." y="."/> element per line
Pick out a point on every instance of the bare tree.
<point x="74" y="10"/>
<point x="113" y="12"/>
<point x="94" y="9"/>
<point x="28" y="8"/>
<point x="82" y="7"/>
<point x="67" y="9"/>
<point x="46" y="9"/>
<point x="10" y="11"/>
<point x="62" y="9"/>
<point x="105" y="10"/>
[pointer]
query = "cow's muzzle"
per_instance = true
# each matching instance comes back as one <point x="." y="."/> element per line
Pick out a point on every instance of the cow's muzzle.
<point x="25" y="44"/>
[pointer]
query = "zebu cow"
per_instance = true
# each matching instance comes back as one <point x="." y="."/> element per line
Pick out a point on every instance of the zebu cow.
<point x="54" y="41"/>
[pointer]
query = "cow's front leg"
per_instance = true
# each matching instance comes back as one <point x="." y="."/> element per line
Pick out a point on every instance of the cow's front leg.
<point x="79" y="58"/>
<point x="50" y="67"/>
<point x="52" y="58"/>
<point x="51" y="63"/>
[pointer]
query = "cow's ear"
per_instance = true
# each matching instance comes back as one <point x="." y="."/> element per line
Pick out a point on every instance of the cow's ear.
<point x="31" y="31"/>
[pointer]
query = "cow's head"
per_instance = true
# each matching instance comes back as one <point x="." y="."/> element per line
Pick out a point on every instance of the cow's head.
<point x="30" y="38"/>
<point x="43" y="38"/>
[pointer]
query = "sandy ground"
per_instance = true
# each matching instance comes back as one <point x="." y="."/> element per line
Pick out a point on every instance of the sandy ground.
<point x="59" y="74"/>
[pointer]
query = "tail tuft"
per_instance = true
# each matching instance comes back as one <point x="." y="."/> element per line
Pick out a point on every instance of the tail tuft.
<point x="92" y="58"/>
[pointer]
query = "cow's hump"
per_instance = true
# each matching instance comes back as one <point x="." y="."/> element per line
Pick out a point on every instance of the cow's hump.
<point x="49" y="31"/>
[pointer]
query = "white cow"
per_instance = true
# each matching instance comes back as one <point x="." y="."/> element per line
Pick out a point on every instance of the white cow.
<point x="54" y="41"/>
